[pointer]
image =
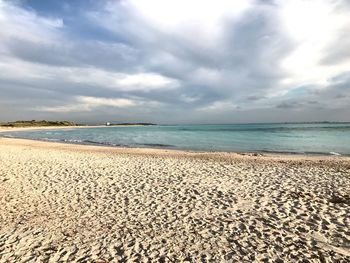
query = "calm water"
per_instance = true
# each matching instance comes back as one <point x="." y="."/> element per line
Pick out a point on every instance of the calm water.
<point x="287" y="138"/>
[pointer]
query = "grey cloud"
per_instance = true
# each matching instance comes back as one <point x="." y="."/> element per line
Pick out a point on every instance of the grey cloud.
<point x="338" y="51"/>
<point x="313" y="102"/>
<point x="255" y="98"/>
<point x="238" y="76"/>
<point x="335" y="96"/>
<point x="266" y="2"/>
<point x="340" y="96"/>
<point x="110" y="56"/>
<point x="243" y="68"/>
<point x="289" y="105"/>
<point x="247" y="62"/>
<point x="343" y="5"/>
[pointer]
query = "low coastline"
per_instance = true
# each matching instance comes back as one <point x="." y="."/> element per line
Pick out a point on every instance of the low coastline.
<point x="30" y="128"/>
<point x="15" y="129"/>
<point x="67" y="202"/>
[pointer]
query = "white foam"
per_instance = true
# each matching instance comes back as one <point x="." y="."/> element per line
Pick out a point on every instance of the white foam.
<point x="73" y="140"/>
<point x="334" y="153"/>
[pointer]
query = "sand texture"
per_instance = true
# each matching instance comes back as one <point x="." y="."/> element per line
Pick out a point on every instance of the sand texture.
<point x="70" y="203"/>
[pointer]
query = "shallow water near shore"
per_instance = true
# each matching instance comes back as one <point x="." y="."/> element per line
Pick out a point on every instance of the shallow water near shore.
<point x="302" y="138"/>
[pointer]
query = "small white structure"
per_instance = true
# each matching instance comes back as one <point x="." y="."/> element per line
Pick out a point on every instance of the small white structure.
<point x="108" y="123"/>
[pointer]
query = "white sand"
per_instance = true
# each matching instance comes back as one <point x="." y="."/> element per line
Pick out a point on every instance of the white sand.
<point x="10" y="129"/>
<point x="71" y="203"/>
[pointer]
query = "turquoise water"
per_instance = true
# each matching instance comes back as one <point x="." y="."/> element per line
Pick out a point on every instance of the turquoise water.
<point x="320" y="138"/>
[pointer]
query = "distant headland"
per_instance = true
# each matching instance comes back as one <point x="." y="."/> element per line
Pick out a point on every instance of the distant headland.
<point x="44" y="123"/>
<point x="35" y="123"/>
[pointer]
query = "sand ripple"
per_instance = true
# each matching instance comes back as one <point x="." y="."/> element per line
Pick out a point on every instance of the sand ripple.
<point x="71" y="205"/>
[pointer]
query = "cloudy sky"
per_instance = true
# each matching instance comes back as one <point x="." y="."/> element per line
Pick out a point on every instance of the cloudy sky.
<point x="167" y="61"/>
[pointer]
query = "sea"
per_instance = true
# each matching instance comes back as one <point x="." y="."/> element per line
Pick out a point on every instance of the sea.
<point x="291" y="138"/>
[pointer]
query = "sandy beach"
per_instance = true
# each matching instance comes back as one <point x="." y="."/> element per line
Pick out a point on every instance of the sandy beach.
<point x="15" y="129"/>
<point x="74" y="203"/>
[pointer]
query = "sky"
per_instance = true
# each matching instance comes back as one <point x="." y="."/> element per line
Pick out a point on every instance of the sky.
<point x="167" y="61"/>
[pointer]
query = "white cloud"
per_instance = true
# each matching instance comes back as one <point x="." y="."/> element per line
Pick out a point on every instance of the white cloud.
<point x="219" y="106"/>
<point x="206" y="76"/>
<point x="199" y="56"/>
<point x="120" y="81"/>
<point x="313" y="26"/>
<point x="198" y="24"/>
<point x="86" y="103"/>
<point x="194" y="20"/>
<point x="64" y="108"/>
<point x="11" y="68"/>
<point x="19" y="23"/>
<point x="16" y="69"/>
<point x="168" y="13"/>
<point x="95" y="102"/>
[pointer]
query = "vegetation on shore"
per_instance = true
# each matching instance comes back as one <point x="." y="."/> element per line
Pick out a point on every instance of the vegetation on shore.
<point x="34" y="123"/>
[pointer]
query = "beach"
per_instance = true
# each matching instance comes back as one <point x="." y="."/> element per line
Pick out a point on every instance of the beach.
<point x="79" y="203"/>
<point x="33" y="128"/>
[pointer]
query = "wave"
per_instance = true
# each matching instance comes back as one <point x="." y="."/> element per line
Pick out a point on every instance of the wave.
<point x="73" y="140"/>
<point x="121" y="145"/>
<point x="51" y="140"/>
<point x="156" y="144"/>
<point x="299" y="153"/>
<point x="100" y="143"/>
<point x="81" y="141"/>
<point x="269" y="129"/>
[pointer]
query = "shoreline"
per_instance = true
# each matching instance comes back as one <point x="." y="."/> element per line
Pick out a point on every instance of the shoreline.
<point x="254" y="153"/>
<point x="70" y="146"/>
<point x="16" y="129"/>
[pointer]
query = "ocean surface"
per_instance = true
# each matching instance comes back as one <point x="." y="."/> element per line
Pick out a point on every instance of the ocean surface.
<point x="315" y="138"/>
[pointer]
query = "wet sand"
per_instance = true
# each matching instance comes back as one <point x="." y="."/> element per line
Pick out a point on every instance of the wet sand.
<point x="74" y="203"/>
